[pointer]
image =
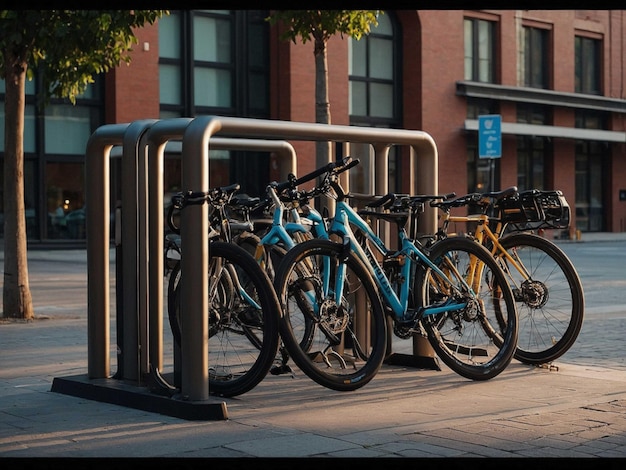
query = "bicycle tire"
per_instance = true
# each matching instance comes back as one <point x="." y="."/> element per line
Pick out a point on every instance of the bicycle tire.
<point x="471" y="341"/>
<point x="273" y="253"/>
<point x="345" y="354"/>
<point x="225" y="286"/>
<point x="551" y="305"/>
<point x="243" y="339"/>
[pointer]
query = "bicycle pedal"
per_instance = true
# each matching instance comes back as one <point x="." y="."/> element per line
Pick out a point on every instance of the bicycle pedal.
<point x="280" y="370"/>
<point x="251" y="318"/>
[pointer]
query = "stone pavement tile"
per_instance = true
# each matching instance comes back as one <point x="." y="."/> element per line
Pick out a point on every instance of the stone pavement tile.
<point x="619" y="439"/>
<point x="501" y="429"/>
<point x="218" y="452"/>
<point x="469" y="435"/>
<point x="574" y="439"/>
<point x="618" y="452"/>
<point x="597" y="419"/>
<point x="9" y="426"/>
<point x="619" y="424"/>
<point x="550" y="452"/>
<point x="142" y="439"/>
<point x="461" y="446"/>
<point x="601" y="411"/>
<point x="372" y="437"/>
<point x="549" y="424"/>
<point x="584" y="453"/>
<point x="595" y="433"/>
<point x="594" y="450"/>
<point x="359" y="453"/>
<point x="413" y="448"/>
<point x="563" y="428"/>
<point x="293" y="445"/>
<point x="420" y="454"/>
<point x="557" y="442"/>
<point x="545" y="418"/>
<point x="616" y="419"/>
<point x="607" y="440"/>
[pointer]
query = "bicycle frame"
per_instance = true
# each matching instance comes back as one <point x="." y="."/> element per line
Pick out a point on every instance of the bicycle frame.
<point x="344" y="217"/>
<point x="453" y="292"/>
<point x="290" y="232"/>
<point x="285" y="233"/>
<point x="484" y="232"/>
<point x="224" y="233"/>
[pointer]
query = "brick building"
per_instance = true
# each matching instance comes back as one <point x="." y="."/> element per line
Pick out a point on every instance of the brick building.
<point x="556" y="78"/>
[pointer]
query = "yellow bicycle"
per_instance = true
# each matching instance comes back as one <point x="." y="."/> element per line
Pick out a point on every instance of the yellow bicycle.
<point x="547" y="289"/>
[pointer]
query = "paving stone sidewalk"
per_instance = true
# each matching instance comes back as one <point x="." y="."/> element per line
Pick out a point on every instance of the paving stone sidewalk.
<point x="577" y="409"/>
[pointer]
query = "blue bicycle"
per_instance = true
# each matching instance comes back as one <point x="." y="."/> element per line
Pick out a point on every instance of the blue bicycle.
<point x="283" y="219"/>
<point x="453" y="292"/>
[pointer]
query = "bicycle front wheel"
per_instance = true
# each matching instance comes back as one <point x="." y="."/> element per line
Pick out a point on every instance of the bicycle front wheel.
<point x="349" y="339"/>
<point x="549" y="296"/>
<point x="470" y="340"/>
<point x="243" y="319"/>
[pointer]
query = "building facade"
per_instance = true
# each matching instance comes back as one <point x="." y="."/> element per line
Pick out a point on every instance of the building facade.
<point x="556" y="77"/>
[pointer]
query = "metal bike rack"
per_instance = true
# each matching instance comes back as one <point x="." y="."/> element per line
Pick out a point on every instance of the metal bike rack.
<point x="285" y="153"/>
<point x="140" y="336"/>
<point x="158" y="137"/>
<point x="196" y="143"/>
<point x="143" y="144"/>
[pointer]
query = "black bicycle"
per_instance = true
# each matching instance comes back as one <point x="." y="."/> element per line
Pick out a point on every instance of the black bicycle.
<point x="243" y="310"/>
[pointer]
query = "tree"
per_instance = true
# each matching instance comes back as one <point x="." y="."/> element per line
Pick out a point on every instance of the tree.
<point x="321" y="25"/>
<point x="66" y="48"/>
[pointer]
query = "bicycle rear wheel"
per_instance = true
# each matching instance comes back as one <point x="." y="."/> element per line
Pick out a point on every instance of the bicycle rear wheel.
<point x="550" y="303"/>
<point x="272" y="258"/>
<point x="349" y="341"/>
<point x="243" y="319"/>
<point x="471" y="341"/>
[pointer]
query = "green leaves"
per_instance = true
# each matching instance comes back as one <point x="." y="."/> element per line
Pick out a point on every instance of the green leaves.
<point x="69" y="47"/>
<point x="322" y="24"/>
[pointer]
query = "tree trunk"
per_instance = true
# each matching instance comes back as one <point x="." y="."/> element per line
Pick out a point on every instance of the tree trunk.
<point x="17" y="300"/>
<point x="322" y="105"/>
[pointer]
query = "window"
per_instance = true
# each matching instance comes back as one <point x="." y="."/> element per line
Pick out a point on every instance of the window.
<point x="216" y="62"/>
<point x="55" y="140"/>
<point x="65" y="197"/>
<point x="532" y="152"/>
<point x="374" y="74"/>
<point x="592" y="160"/>
<point x="67" y="127"/>
<point x="531" y="156"/>
<point x="479" y="50"/>
<point x="29" y="117"/>
<point x="591" y="120"/>
<point x="590" y="176"/>
<point x="372" y="64"/>
<point x="588" y="65"/>
<point x="533" y="62"/>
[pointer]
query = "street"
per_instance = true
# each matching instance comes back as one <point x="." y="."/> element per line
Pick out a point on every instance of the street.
<point x="577" y="411"/>
<point x="602" y="270"/>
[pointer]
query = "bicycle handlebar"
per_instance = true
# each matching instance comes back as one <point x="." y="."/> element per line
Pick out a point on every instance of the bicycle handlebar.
<point x="337" y="167"/>
<point x="200" y="197"/>
<point x="348" y="163"/>
<point x="483" y="199"/>
<point x="389" y="197"/>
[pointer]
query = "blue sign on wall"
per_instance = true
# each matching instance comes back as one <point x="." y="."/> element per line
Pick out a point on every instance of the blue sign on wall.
<point x="490" y="136"/>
